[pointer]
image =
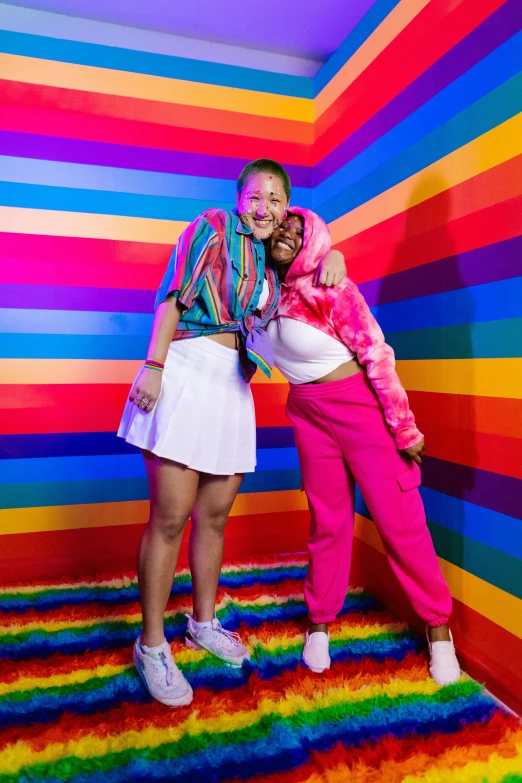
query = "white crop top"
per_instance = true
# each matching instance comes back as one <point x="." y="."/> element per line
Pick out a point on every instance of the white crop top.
<point x="263" y="299"/>
<point x="304" y="353"/>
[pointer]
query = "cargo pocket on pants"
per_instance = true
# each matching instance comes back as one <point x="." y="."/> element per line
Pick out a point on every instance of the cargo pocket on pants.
<point x="412" y="507"/>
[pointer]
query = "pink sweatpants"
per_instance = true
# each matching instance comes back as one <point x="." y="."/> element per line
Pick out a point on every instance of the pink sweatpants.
<point x="342" y="438"/>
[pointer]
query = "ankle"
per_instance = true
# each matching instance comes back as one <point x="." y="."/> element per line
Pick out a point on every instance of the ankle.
<point x="439" y="633"/>
<point x="202" y="617"/>
<point x="152" y="639"/>
<point x="318" y="628"/>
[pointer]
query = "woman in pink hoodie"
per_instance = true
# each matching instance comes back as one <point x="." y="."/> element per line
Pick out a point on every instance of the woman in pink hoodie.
<point x="352" y="424"/>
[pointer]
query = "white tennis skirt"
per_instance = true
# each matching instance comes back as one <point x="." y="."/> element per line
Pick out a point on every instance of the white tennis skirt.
<point x="204" y="417"/>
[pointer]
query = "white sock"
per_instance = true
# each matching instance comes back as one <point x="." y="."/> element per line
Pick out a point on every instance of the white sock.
<point x="154" y="650"/>
<point x="206" y="626"/>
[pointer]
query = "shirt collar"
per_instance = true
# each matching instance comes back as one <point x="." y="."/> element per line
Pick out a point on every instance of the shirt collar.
<point x="241" y="228"/>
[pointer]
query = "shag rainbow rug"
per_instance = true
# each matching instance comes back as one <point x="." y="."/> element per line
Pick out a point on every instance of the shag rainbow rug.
<point x="73" y="709"/>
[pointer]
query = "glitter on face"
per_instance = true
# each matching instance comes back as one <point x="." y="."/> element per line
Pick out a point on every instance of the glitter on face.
<point x="260" y="206"/>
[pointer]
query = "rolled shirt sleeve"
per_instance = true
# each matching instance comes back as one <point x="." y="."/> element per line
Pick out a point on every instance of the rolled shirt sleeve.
<point x="189" y="263"/>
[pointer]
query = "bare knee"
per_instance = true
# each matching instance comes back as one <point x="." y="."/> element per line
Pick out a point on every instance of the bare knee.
<point x="169" y="526"/>
<point x="213" y="523"/>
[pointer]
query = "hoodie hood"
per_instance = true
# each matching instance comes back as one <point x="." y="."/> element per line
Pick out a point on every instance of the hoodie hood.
<point x="316" y="243"/>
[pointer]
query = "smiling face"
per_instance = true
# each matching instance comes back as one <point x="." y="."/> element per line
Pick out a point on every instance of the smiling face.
<point x="262" y="203"/>
<point x="287" y="240"/>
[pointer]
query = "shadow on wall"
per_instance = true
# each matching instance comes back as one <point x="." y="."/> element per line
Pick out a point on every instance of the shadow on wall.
<point x="448" y="422"/>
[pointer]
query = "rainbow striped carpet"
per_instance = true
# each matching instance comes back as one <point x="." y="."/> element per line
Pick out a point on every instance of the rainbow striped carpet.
<point x="73" y="709"/>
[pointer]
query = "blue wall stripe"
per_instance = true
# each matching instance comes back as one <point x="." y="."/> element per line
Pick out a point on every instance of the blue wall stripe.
<point x="488" y="302"/>
<point x="65" y="346"/>
<point x="492" y="528"/>
<point x="15" y="194"/>
<point x="500" y="66"/>
<point x="75" y="322"/>
<point x="98" y="55"/>
<point x="490" y="339"/>
<point x="73" y="299"/>
<point x="78" y="444"/>
<point x="370" y="22"/>
<point x="32" y="171"/>
<point x="117" y="490"/>
<point x="484" y="340"/>
<point x="483" y="116"/>
<point x="491" y="565"/>
<point x="496" y="530"/>
<point x="111" y="466"/>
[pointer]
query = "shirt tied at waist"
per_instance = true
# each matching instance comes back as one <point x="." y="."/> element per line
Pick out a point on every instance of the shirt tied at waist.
<point x="255" y="347"/>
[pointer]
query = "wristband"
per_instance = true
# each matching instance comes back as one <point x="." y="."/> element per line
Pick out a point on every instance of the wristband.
<point x="152" y="364"/>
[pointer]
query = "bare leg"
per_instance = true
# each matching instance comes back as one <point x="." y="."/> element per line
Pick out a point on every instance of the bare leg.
<point x="215" y="497"/>
<point x="173" y="490"/>
<point x="315" y="627"/>
<point x="439" y="633"/>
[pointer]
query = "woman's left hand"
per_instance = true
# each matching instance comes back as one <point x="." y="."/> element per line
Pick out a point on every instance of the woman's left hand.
<point x="331" y="270"/>
<point x="414" y="452"/>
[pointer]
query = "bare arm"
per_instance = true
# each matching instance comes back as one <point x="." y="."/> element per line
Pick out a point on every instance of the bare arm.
<point x="148" y="382"/>
<point x="331" y="270"/>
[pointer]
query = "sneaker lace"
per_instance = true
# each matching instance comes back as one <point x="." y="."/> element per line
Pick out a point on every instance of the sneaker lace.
<point x="231" y="636"/>
<point x="165" y="667"/>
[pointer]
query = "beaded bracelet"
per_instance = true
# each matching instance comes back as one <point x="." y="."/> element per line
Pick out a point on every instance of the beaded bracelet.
<point x="152" y="364"/>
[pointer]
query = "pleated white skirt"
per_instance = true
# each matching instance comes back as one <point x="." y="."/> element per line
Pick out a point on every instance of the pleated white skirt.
<point x="204" y="417"/>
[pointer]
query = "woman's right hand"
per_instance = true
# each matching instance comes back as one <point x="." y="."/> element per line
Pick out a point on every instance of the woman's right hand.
<point x="414" y="453"/>
<point x="146" y="390"/>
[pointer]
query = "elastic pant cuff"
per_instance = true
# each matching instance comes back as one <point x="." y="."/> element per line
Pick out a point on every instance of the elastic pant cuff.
<point x="437" y="622"/>
<point x="328" y="618"/>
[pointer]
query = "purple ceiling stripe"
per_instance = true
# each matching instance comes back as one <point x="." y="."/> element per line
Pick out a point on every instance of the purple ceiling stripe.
<point x="490" y="490"/>
<point x="484" y="265"/>
<point x="141" y="158"/>
<point x="108" y="300"/>
<point x="496" y="29"/>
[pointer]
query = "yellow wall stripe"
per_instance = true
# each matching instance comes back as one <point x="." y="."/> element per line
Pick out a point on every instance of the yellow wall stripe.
<point x="385" y="33"/>
<point x="85" y="371"/>
<point x="478" y="377"/>
<point x="498" y="606"/>
<point x="497" y="146"/>
<point x="132" y="512"/>
<point x="155" y="88"/>
<point x="19" y="220"/>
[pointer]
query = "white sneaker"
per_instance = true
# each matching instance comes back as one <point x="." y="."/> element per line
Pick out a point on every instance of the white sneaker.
<point x="161" y="676"/>
<point x="444" y="666"/>
<point x="315" y="652"/>
<point x="216" y="640"/>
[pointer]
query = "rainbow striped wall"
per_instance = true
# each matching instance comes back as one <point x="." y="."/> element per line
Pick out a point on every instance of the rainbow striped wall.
<point x="419" y="174"/>
<point x="408" y="142"/>
<point x="106" y="154"/>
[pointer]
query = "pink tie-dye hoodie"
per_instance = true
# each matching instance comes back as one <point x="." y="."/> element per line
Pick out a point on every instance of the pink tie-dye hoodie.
<point x="343" y="313"/>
